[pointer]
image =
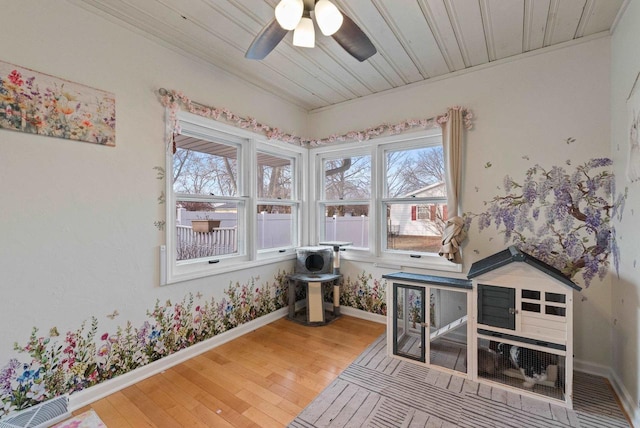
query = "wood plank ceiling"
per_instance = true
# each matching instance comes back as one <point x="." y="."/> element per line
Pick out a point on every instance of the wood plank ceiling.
<point x="416" y="39"/>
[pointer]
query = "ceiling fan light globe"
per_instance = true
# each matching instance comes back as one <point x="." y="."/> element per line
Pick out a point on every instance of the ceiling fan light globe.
<point x="328" y="17"/>
<point x="304" y="35"/>
<point x="289" y="13"/>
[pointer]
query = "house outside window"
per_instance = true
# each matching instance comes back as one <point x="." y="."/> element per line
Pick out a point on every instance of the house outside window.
<point x="415" y="198"/>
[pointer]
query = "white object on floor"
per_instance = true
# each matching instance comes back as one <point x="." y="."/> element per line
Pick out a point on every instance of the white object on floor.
<point x="88" y="419"/>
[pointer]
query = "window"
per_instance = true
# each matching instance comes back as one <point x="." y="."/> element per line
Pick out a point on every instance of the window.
<point x="346" y="198"/>
<point x="415" y="198"/>
<point x="555" y="297"/>
<point x="232" y="199"/>
<point x="531" y="294"/>
<point x="388" y="196"/>
<point x="553" y="303"/>
<point x="530" y="307"/>
<point x="276" y="208"/>
<point x="205" y="185"/>
<point x="420" y="212"/>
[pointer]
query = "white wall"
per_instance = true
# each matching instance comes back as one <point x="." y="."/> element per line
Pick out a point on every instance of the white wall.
<point x="77" y="219"/>
<point x="524" y="112"/>
<point x="625" y="66"/>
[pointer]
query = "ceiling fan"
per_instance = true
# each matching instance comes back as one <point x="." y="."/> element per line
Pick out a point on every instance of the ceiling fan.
<point x="296" y="15"/>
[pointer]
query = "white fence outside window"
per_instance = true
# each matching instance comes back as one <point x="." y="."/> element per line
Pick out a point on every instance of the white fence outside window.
<point x="273" y="231"/>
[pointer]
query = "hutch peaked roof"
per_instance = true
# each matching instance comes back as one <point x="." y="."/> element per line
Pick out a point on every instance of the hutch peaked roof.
<point x="513" y="254"/>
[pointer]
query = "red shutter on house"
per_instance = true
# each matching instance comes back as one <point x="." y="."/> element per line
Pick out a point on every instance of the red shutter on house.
<point x="414" y="212"/>
<point x="445" y="213"/>
<point x="432" y="212"/>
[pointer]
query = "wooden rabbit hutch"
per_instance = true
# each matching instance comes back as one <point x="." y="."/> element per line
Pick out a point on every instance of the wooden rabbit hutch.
<point x="524" y="325"/>
<point x="509" y="324"/>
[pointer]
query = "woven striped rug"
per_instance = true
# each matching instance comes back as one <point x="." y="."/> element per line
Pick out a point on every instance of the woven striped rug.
<point x="378" y="391"/>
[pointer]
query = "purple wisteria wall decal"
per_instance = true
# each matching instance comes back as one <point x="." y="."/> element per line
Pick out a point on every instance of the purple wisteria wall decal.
<point x="41" y="104"/>
<point x="561" y="217"/>
<point x="54" y="364"/>
<point x="633" y="108"/>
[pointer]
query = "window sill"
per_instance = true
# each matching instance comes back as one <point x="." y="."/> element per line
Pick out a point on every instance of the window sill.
<point x="203" y="270"/>
<point x="396" y="262"/>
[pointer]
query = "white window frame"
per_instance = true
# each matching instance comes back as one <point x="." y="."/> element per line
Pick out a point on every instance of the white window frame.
<point x="294" y="202"/>
<point x="322" y="202"/>
<point x="376" y="148"/>
<point x="248" y="256"/>
<point x="425" y="141"/>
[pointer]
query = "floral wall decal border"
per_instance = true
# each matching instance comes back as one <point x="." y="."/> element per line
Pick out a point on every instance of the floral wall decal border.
<point x="41" y="104"/>
<point x="174" y="100"/>
<point x="562" y="217"/>
<point x="57" y="364"/>
<point x="358" y="293"/>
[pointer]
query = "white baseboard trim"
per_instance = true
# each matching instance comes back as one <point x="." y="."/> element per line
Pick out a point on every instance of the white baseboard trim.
<point x="592" y="368"/>
<point x="89" y="395"/>
<point x="358" y="313"/>
<point x="625" y="398"/>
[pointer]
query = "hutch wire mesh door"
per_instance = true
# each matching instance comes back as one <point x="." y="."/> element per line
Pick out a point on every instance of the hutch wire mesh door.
<point x="430" y="325"/>
<point x="408" y="321"/>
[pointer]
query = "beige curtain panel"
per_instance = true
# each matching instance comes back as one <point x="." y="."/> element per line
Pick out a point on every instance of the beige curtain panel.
<point x="454" y="233"/>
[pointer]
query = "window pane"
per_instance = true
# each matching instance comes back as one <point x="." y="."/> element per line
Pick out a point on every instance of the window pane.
<point x="206" y="229"/>
<point x="406" y="231"/>
<point x="554" y="310"/>
<point x="347" y="178"/>
<point x="203" y="167"/>
<point x="348" y="223"/>
<point x="415" y="172"/>
<point x="275" y="223"/>
<point x="530" y="307"/>
<point x="531" y="294"/>
<point x="554" y="297"/>
<point x="274" y="177"/>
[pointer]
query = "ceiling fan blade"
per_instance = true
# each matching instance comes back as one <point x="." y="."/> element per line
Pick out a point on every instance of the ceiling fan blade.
<point x="265" y="41"/>
<point x="353" y="40"/>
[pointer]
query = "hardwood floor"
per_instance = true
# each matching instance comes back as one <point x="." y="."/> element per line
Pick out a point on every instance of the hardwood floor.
<point x="262" y="379"/>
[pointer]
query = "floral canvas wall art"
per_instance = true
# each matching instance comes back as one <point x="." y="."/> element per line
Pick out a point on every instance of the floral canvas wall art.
<point x="41" y="104"/>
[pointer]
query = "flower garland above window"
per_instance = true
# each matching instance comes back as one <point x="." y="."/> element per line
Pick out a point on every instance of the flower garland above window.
<point x="174" y="100"/>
